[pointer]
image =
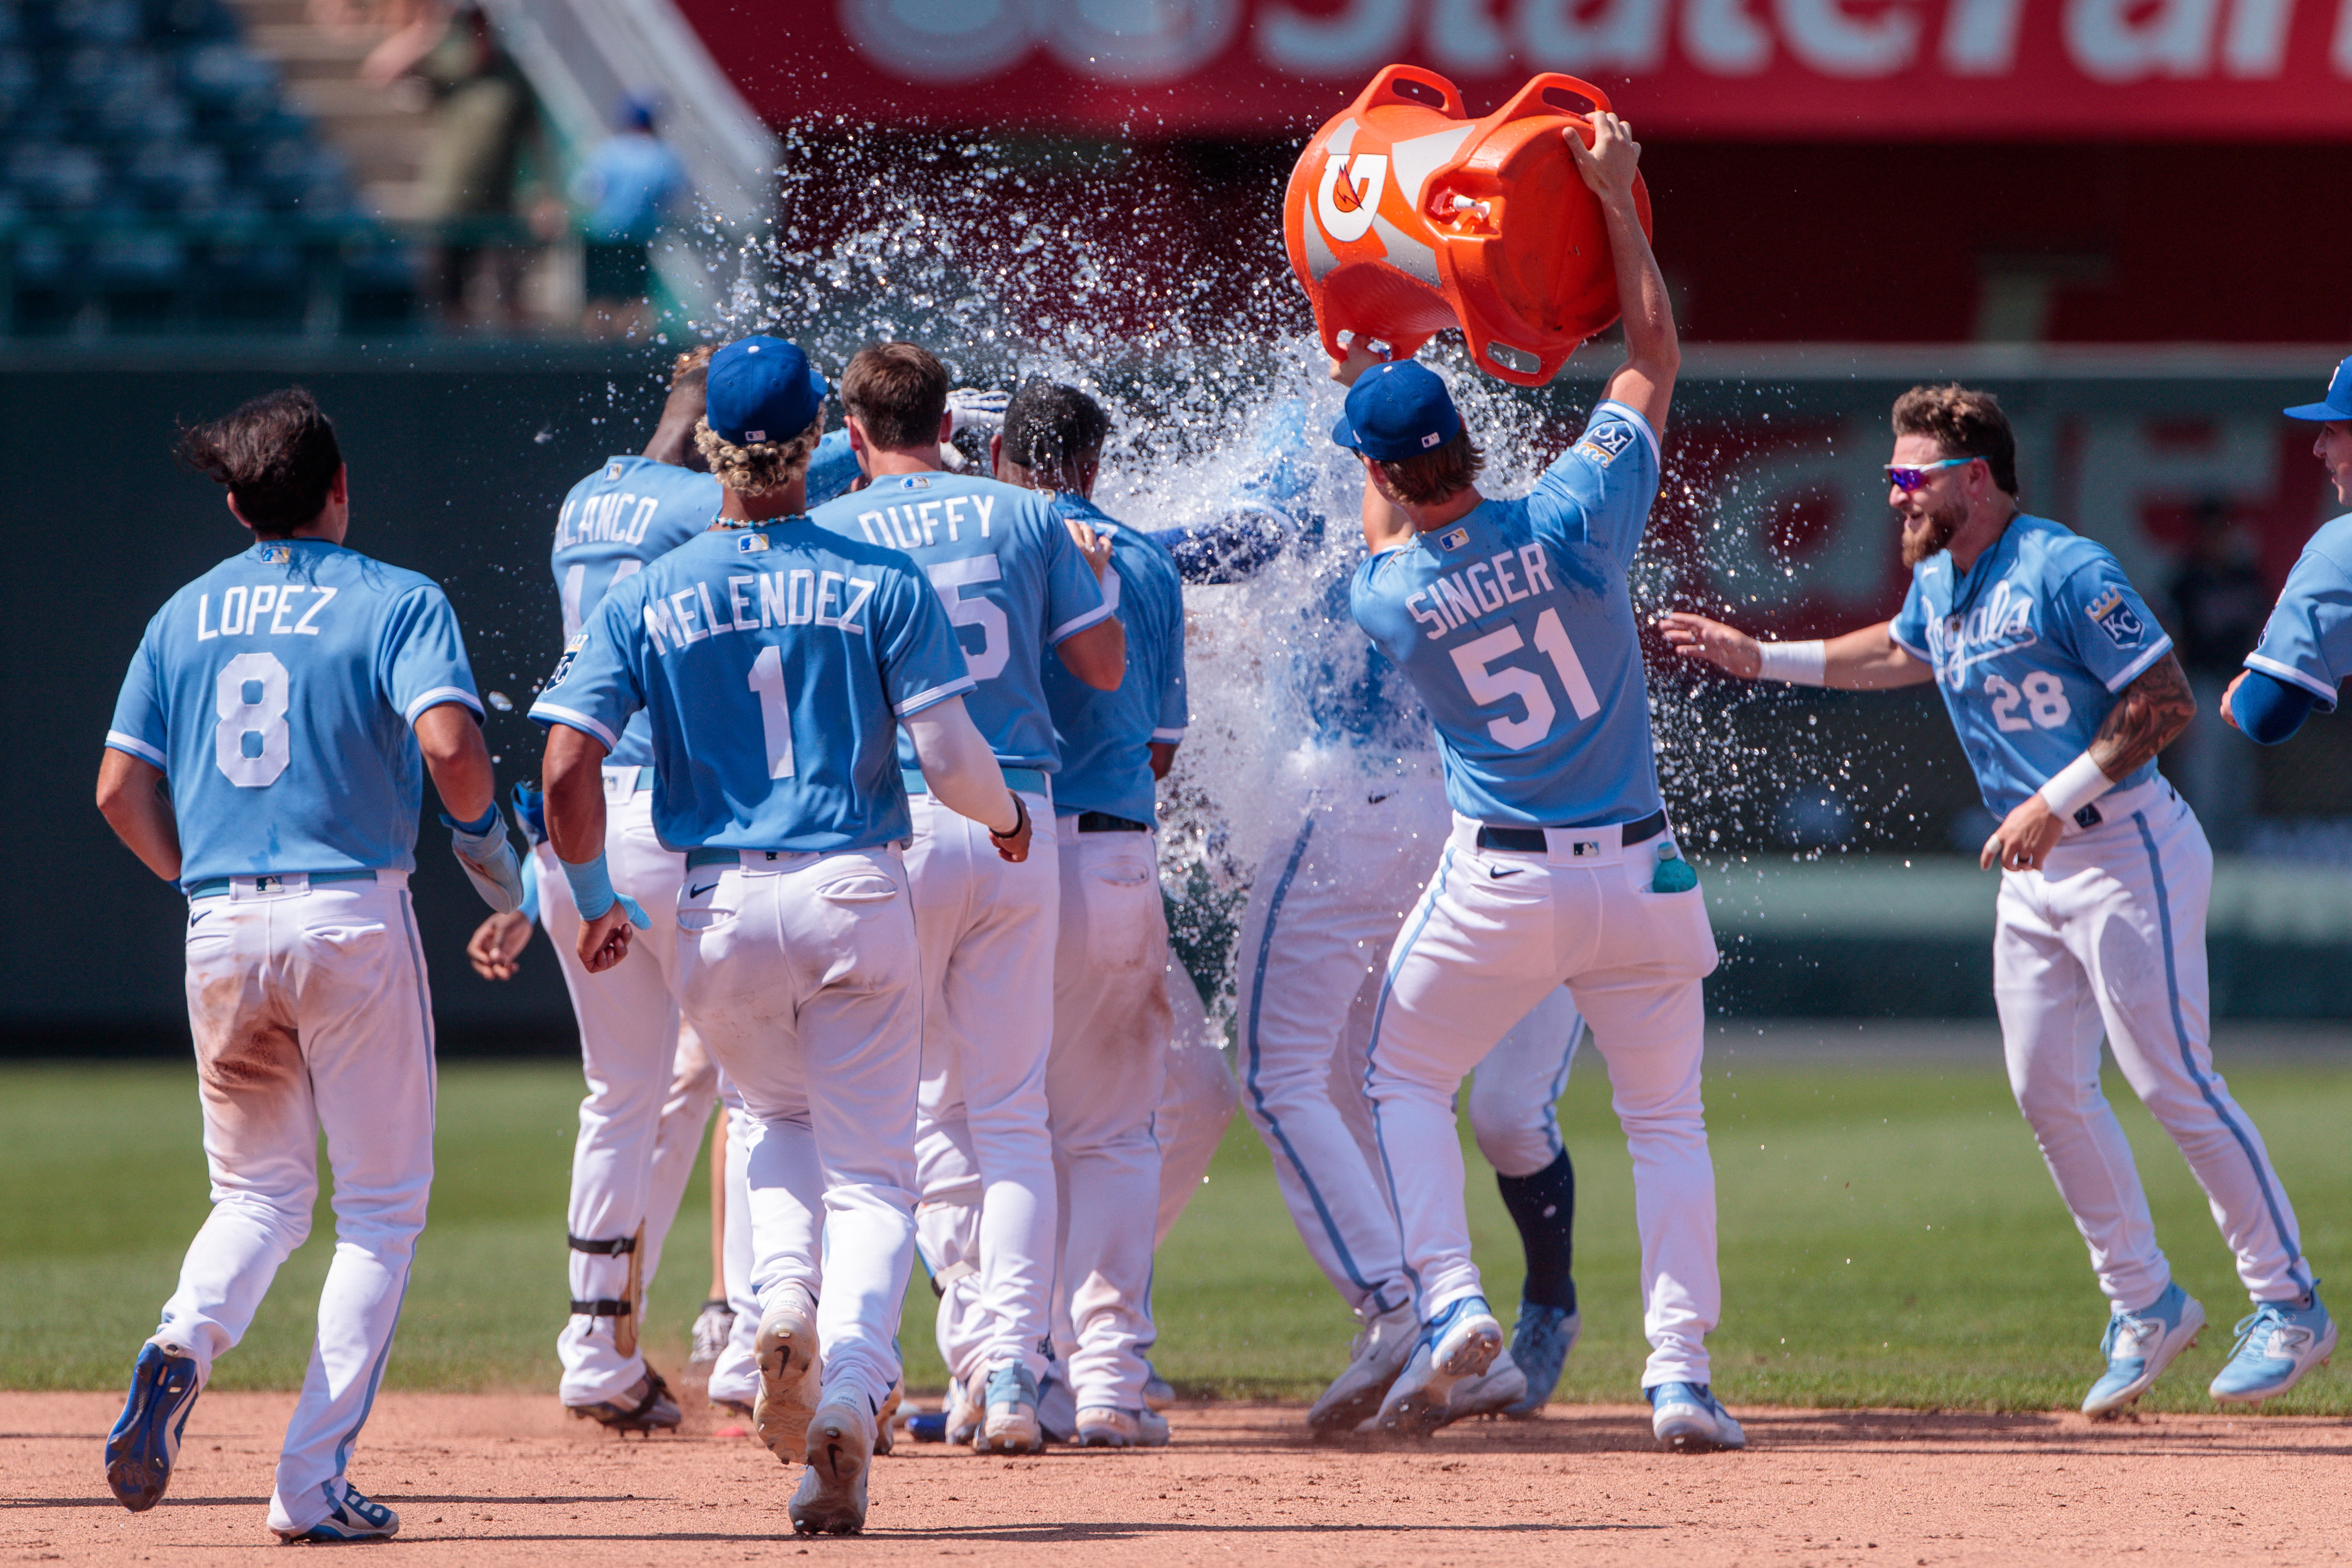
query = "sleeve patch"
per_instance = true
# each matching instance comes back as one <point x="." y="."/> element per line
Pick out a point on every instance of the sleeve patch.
<point x="2112" y="615"/>
<point x="1604" y="442"/>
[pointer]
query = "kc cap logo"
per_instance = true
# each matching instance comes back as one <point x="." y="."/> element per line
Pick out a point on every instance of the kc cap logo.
<point x="2115" y="617"/>
<point x="571" y="652"/>
<point x="1602" y="442"/>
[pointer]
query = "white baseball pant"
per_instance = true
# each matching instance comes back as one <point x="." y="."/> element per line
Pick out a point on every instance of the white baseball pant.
<point x="650" y="1089"/>
<point x="736" y="1373"/>
<point x="1323" y="914"/>
<point x="987" y="929"/>
<point x="800" y="973"/>
<point x="310" y="1013"/>
<point x="2109" y="937"/>
<point x="1196" y="1105"/>
<point x="1104" y="1080"/>
<point x="1493" y="935"/>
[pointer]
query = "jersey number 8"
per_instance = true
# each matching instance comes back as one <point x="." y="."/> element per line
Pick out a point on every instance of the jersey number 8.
<point x="251" y="743"/>
<point x="2045" y="697"/>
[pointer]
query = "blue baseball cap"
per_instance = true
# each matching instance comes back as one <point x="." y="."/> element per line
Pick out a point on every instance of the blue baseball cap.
<point x="761" y="389"/>
<point x="2338" y="403"/>
<point x="1398" y="410"/>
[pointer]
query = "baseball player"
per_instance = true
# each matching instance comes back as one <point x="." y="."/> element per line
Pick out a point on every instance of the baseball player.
<point x="2063" y="688"/>
<point x="1014" y="583"/>
<point x="1325" y="907"/>
<point x="774" y="661"/>
<point x="1512" y="621"/>
<point x="2307" y="648"/>
<point x="264" y="755"/>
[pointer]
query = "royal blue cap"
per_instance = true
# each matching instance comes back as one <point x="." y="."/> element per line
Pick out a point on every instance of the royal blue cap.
<point x="2338" y="402"/>
<point x="761" y="389"/>
<point x="1398" y="410"/>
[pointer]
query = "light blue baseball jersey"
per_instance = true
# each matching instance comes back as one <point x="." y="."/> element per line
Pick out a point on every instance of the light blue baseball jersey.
<point x="277" y="693"/>
<point x="1515" y="626"/>
<point x="630" y="511"/>
<point x="1012" y="580"/>
<point x="1105" y="737"/>
<point x="774" y="664"/>
<point x="2030" y="647"/>
<point x="2308" y="641"/>
<point x="832" y="468"/>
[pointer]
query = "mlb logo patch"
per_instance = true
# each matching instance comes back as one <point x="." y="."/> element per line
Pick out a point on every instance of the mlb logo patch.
<point x="2112" y="615"/>
<point x="751" y="437"/>
<point x="1603" y="442"/>
<point x="1453" y="538"/>
<point x="914" y="482"/>
<point x="277" y="555"/>
<point x="612" y="472"/>
<point x="751" y="542"/>
<point x="1432" y="439"/>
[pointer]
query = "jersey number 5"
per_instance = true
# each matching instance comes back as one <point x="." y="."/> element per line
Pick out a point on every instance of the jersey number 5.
<point x="251" y="744"/>
<point x="949" y="578"/>
<point x="1487" y="686"/>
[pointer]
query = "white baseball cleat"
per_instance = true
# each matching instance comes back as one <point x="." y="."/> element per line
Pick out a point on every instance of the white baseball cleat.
<point x="1104" y="1426"/>
<point x="831" y="1498"/>
<point x="1461" y="1341"/>
<point x="787" y="1350"/>
<point x="2138" y="1347"/>
<point x="1686" y="1417"/>
<point x="1380" y="1351"/>
<point x="1494" y="1392"/>
<point x="1010" y="1424"/>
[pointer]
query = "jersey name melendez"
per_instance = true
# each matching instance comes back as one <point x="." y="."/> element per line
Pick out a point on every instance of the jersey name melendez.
<point x="914" y="524"/>
<point x="800" y="597"/>
<point x="275" y="608"/>
<point x="2001" y="624"/>
<point x="1458" y="598"/>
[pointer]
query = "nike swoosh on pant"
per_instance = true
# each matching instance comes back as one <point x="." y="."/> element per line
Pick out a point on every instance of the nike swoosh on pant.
<point x="698" y="891"/>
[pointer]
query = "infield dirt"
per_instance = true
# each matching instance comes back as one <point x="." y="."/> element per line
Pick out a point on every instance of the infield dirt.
<point x="502" y="1478"/>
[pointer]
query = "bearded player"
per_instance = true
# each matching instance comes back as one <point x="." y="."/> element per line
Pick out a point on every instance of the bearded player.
<point x="1512" y="621"/>
<point x="2063" y="688"/>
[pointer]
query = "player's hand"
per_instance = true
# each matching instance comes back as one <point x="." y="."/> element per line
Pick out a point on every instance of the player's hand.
<point x="2024" y="838"/>
<point x="982" y="412"/>
<point x="1609" y="164"/>
<point x="2228" y="693"/>
<point x="1015" y="846"/>
<point x="1359" y="359"/>
<point x="1696" y="637"/>
<point x="496" y="943"/>
<point x="1091" y="545"/>
<point x="605" y="941"/>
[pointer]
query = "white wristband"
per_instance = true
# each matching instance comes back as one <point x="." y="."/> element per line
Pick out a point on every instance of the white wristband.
<point x="2078" y="784"/>
<point x="1798" y="663"/>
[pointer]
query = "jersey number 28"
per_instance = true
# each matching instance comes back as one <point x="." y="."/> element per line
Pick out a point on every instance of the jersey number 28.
<point x="1487" y="686"/>
<point x="2045" y="697"/>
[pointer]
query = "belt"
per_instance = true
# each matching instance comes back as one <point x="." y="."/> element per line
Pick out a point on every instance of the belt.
<point x="1104" y="822"/>
<point x="1031" y="780"/>
<point x="712" y="855"/>
<point x="1531" y="841"/>
<point x="214" y="886"/>
<point x="636" y="778"/>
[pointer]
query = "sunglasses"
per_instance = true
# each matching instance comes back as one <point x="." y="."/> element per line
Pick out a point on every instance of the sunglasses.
<point x="1909" y="477"/>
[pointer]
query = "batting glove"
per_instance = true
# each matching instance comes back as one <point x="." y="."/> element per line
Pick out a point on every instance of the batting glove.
<point x="488" y="856"/>
<point x="980" y="412"/>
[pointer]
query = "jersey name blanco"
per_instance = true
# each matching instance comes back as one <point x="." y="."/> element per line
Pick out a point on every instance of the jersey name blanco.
<point x="773" y="663"/>
<point x="1514" y="625"/>
<point x="2030" y="647"/>
<point x="277" y="693"/>
<point x="2308" y="641"/>
<point x="1105" y="737"/>
<point x="1008" y="577"/>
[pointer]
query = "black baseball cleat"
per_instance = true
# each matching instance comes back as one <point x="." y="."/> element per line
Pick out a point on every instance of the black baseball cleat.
<point x="145" y="1441"/>
<point x="644" y="1408"/>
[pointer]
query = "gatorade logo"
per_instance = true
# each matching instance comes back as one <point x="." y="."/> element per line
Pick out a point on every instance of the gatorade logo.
<point x="1367" y="173"/>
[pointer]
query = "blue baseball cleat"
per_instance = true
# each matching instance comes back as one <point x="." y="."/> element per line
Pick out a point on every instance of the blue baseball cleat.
<point x="1686" y="1417"/>
<point x="351" y="1516"/>
<point x="1461" y="1341"/>
<point x="2277" y="1343"/>
<point x="2138" y="1347"/>
<point x="1540" y="1341"/>
<point x="145" y="1441"/>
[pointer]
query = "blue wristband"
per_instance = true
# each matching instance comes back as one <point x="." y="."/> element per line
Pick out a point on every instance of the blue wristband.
<point x="593" y="894"/>
<point x="479" y="826"/>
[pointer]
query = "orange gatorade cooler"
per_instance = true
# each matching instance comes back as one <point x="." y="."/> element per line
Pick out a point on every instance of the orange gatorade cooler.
<point x="1405" y="216"/>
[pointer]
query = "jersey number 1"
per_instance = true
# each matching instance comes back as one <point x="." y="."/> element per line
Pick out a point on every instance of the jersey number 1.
<point x="1487" y="686"/>
<point x="252" y="743"/>
<point x="775" y="715"/>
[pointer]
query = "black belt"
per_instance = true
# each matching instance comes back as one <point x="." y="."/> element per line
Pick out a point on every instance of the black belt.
<point x="1104" y="822"/>
<point x="1531" y="841"/>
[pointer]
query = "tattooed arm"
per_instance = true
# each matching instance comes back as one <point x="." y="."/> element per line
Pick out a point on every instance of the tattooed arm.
<point x="2151" y="712"/>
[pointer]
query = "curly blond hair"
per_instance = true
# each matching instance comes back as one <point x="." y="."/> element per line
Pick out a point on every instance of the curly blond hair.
<point x="759" y="466"/>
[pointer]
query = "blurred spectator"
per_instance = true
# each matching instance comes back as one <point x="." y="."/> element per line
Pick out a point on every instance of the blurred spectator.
<point x="627" y="186"/>
<point x="2218" y="608"/>
<point x="483" y="118"/>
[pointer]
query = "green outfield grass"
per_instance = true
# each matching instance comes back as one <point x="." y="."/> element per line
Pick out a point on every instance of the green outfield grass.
<point x="1889" y="1237"/>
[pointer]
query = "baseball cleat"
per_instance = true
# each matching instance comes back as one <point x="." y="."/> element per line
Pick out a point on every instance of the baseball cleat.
<point x="1104" y="1426"/>
<point x="145" y="1441"/>
<point x="787" y="1350"/>
<point x="1461" y="1341"/>
<point x="2138" y="1347"/>
<point x="1686" y="1420"/>
<point x="885" y="1422"/>
<point x="645" y="1407"/>
<point x="1494" y="1392"/>
<point x="713" y="1327"/>
<point x="2277" y="1343"/>
<point x="350" y="1517"/>
<point x="1380" y="1351"/>
<point x="1540" y="1342"/>
<point x="963" y="1414"/>
<point x="831" y="1498"/>
<point x="1158" y="1392"/>
<point x="1009" y="1422"/>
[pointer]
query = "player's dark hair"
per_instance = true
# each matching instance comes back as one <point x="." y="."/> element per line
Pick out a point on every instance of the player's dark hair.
<point x="898" y="393"/>
<point x="276" y="454"/>
<point x="1429" y="478"/>
<point x="1965" y="424"/>
<point x="1053" y="429"/>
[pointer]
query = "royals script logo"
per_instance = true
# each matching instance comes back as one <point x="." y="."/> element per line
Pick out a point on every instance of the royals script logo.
<point x="2001" y="624"/>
